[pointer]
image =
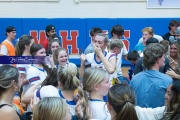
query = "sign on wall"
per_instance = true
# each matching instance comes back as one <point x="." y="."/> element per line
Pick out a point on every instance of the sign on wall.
<point x="163" y="3"/>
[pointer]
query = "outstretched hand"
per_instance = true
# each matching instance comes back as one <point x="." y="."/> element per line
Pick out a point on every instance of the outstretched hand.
<point x="171" y="73"/>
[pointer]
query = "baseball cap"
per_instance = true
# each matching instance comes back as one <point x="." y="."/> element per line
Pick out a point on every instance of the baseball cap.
<point x="49" y="28"/>
<point x="48" y="91"/>
<point x="10" y="29"/>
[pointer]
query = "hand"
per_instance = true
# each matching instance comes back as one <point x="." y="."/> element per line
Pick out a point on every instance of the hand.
<point x="78" y="109"/>
<point x="79" y="112"/>
<point x="33" y="103"/>
<point x="83" y="57"/>
<point x="171" y="73"/>
<point x="97" y="49"/>
<point x="50" y="59"/>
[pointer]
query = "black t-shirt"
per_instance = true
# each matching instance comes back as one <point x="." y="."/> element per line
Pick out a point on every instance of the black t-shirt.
<point x="139" y="67"/>
<point x="166" y="36"/>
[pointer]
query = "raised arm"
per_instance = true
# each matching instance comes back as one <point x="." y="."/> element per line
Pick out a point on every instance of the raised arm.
<point x="110" y="64"/>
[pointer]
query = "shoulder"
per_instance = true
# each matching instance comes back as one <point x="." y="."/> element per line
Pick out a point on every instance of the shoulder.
<point x="138" y="45"/>
<point x="3" y="50"/>
<point x="165" y="76"/>
<point x="89" y="49"/>
<point x="158" y="37"/>
<point x="21" y="68"/>
<point x="166" y="34"/>
<point x="111" y="55"/>
<point x="32" y="72"/>
<point x="137" y="77"/>
<point x="45" y="41"/>
<point x="8" y="113"/>
<point x="90" y="55"/>
<point x="32" y="68"/>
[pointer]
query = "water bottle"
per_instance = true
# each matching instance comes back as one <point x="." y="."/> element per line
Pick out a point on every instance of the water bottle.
<point x="16" y="99"/>
<point x="16" y="104"/>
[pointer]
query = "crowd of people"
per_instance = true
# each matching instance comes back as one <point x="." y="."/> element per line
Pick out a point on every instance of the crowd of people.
<point x="58" y="90"/>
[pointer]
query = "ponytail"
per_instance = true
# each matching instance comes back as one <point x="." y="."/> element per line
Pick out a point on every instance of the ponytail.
<point x="18" y="52"/>
<point x="126" y="111"/>
<point x="122" y="98"/>
<point x="84" y="98"/>
<point x="67" y="77"/>
<point x="51" y="78"/>
<point x="46" y="68"/>
<point x="23" y="41"/>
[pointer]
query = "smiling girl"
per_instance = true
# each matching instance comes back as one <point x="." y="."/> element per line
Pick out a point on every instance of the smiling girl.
<point x="61" y="57"/>
<point x="39" y="71"/>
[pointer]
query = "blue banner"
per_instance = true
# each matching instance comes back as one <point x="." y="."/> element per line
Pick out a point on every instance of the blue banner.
<point x="23" y="60"/>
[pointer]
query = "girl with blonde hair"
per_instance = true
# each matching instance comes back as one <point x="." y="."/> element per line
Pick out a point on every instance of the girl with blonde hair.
<point x="51" y="108"/>
<point x="68" y="83"/>
<point x="96" y="83"/>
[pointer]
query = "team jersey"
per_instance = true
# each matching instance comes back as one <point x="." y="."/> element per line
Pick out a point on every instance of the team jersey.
<point x="34" y="74"/>
<point x="91" y="57"/>
<point x="99" y="110"/>
<point x="71" y="104"/>
<point x="22" y="68"/>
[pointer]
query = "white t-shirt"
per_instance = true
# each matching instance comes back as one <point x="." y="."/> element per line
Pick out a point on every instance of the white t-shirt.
<point x="34" y="74"/>
<point x="3" y="49"/>
<point x="99" y="110"/>
<point x="119" y="59"/>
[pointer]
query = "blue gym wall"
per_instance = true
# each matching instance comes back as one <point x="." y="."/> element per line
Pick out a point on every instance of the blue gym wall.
<point x="82" y="27"/>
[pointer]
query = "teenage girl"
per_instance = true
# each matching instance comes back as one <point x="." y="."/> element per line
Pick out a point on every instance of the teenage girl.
<point x="100" y="58"/>
<point x="53" y="45"/>
<point x="61" y="57"/>
<point x="68" y="83"/>
<point x="23" y="49"/>
<point x="96" y="84"/>
<point x="37" y="72"/>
